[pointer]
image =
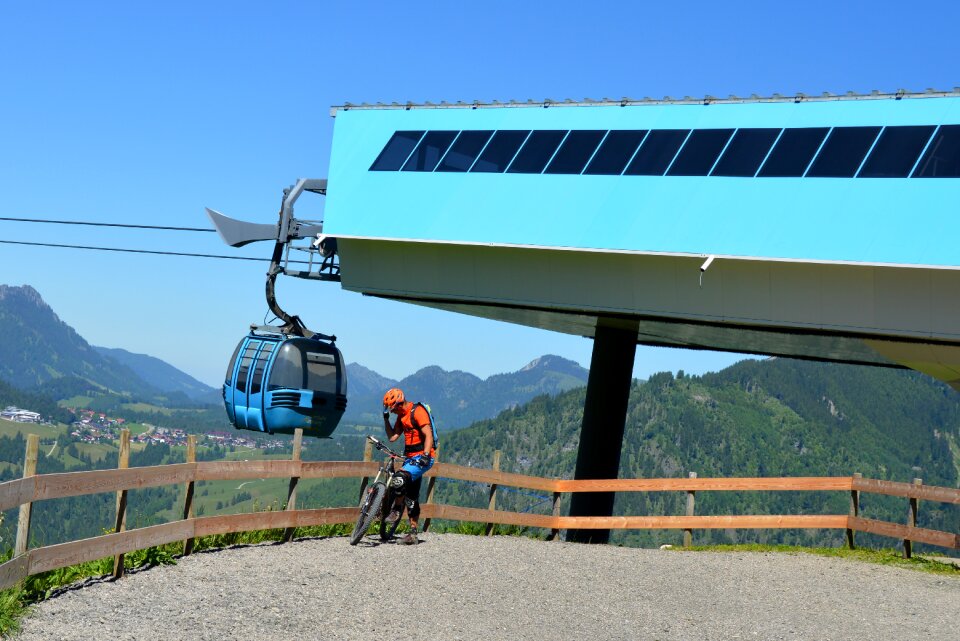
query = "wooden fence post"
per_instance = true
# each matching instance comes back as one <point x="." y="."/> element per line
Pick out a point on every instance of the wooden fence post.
<point x="492" y="527"/>
<point x="691" y="499"/>
<point x="123" y="462"/>
<point x="911" y="520"/>
<point x="431" y="485"/>
<point x="555" y="533"/>
<point x="367" y="457"/>
<point x="29" y="469"/>
<point x="188" y="499"/>
<point x="294" y="480"/>
<point x="854" y="510"/>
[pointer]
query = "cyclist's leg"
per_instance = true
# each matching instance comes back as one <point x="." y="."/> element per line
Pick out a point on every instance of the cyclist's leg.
<point x="413" y="490"/>
<point x="413" y="502"/>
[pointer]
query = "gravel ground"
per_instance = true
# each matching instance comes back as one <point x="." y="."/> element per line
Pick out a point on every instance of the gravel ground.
<point x="469" y="587"/>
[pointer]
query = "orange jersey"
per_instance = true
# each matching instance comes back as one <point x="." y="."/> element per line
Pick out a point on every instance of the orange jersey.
<point x="412" y="424"/>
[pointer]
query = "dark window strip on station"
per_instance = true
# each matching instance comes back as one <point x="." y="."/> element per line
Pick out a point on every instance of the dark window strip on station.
<point x="918" y="151"/>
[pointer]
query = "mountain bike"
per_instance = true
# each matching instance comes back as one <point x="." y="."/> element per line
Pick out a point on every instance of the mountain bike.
<point x="379" y="498"/>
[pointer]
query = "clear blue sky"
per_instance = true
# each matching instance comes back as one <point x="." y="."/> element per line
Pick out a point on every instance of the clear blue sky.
<point x="147" y="113"/>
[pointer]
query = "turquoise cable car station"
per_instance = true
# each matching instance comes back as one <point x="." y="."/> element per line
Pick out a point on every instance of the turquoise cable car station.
<point x="814" y="227"/>
<point x="833" y="223"/>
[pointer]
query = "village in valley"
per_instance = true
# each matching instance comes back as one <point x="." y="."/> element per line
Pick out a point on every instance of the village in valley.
<point x="98" y="427"/>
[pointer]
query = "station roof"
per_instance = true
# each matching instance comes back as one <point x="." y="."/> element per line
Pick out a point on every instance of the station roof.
<point x="666" y="100"/>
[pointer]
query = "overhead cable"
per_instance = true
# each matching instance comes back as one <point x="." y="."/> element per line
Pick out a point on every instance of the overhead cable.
<point x="92" y="224"/>
<point x="143" y="251"/>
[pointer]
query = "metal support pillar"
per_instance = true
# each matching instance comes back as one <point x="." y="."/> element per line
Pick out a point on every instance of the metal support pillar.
<point x="604" y="416"/>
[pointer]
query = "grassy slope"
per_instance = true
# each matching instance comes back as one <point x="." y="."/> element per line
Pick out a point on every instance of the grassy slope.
<point x="10" y="428"/>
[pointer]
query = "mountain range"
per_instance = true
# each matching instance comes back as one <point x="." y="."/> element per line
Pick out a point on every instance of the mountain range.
<point x="44" y="355"/>
<point x="458" y="398"/>
<point x="47" y="358"/>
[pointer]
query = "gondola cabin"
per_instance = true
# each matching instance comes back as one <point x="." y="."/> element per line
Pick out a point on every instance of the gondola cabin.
<point x="277" y="383"/>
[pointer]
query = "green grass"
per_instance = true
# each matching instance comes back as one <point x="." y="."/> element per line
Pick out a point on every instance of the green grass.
<point x="880" y="557"/>
<point x="96" y="451"/>
<point x="147" y="407"/>
<point x="9" y="428"/>
<point x="76" y="401"/>
<point x="255" y="454"/>
<point x="136" y="429"/>
<point x="263" y="492"/>
<point x="12" y="608"/>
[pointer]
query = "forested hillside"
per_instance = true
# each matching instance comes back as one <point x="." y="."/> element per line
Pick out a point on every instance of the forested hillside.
<point x="758" y="418"/>
<point x="162" y="375"/>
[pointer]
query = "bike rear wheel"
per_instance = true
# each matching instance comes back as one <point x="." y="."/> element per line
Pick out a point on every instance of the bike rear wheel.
<point x="369" y="510"/>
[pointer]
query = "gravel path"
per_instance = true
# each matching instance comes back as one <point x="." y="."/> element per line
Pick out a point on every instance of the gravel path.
<point x="469" y="587"/>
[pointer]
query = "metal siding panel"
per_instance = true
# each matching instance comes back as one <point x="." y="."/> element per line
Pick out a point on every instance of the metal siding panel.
<point x="847" y="297"/>
<point x="655" y="283"/>
<point x="903" y="298"/>
<point x="746" y="290"/>
<point x="795" y="293"/>
<point x="945" y="306"/>
<point x="833" y="298"/>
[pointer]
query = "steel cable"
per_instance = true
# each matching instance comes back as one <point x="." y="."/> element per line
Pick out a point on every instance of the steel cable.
<point x="93" y="224"/>
<point x="143" y="251"/>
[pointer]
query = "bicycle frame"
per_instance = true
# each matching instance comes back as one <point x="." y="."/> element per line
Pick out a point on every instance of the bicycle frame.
<point x="379" y="496"/>
<point x="385" y="472"/>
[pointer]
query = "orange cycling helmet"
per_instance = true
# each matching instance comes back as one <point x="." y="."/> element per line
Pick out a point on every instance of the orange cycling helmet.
<point x="393" y="397"/>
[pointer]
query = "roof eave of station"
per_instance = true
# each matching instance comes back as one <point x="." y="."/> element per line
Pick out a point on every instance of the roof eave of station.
<point x="666" y="100"/>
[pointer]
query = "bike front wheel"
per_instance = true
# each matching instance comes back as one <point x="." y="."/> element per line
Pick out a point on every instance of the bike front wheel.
<point x="369" y="510"/>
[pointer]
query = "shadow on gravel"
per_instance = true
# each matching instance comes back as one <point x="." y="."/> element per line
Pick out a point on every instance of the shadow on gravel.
<point x="373" y="541"/>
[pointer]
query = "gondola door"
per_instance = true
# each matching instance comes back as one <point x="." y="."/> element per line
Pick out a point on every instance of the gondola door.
<point x="255" y="394"/>
<point x="246" y="415"/>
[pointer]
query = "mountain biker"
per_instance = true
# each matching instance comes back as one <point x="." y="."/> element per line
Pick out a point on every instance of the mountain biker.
<point x="413" y="423"/>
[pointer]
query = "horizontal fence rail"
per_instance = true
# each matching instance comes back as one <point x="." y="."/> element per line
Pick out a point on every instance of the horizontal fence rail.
<point x="23" y="492"/>
<point x="907" y="490"/>
<point x="706" y="484"/>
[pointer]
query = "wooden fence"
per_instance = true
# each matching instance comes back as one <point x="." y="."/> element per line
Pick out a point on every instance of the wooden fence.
<point x="24" y="491"/>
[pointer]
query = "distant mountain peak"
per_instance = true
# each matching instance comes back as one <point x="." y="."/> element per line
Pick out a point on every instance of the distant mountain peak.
<point x="364" y="381"/>
<point x="39" y="348"/>
<point x="550" y="361"/>
<point x="23" y="293"/>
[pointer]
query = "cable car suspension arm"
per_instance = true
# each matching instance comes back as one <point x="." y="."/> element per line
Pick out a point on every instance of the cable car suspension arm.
<point x="322" y="260"/>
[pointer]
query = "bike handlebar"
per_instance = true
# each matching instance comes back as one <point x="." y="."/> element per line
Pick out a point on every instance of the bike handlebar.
<point x="383" y="448"/>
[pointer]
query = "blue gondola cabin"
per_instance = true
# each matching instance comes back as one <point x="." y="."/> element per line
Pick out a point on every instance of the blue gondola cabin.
<point x="277" y="383"/>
